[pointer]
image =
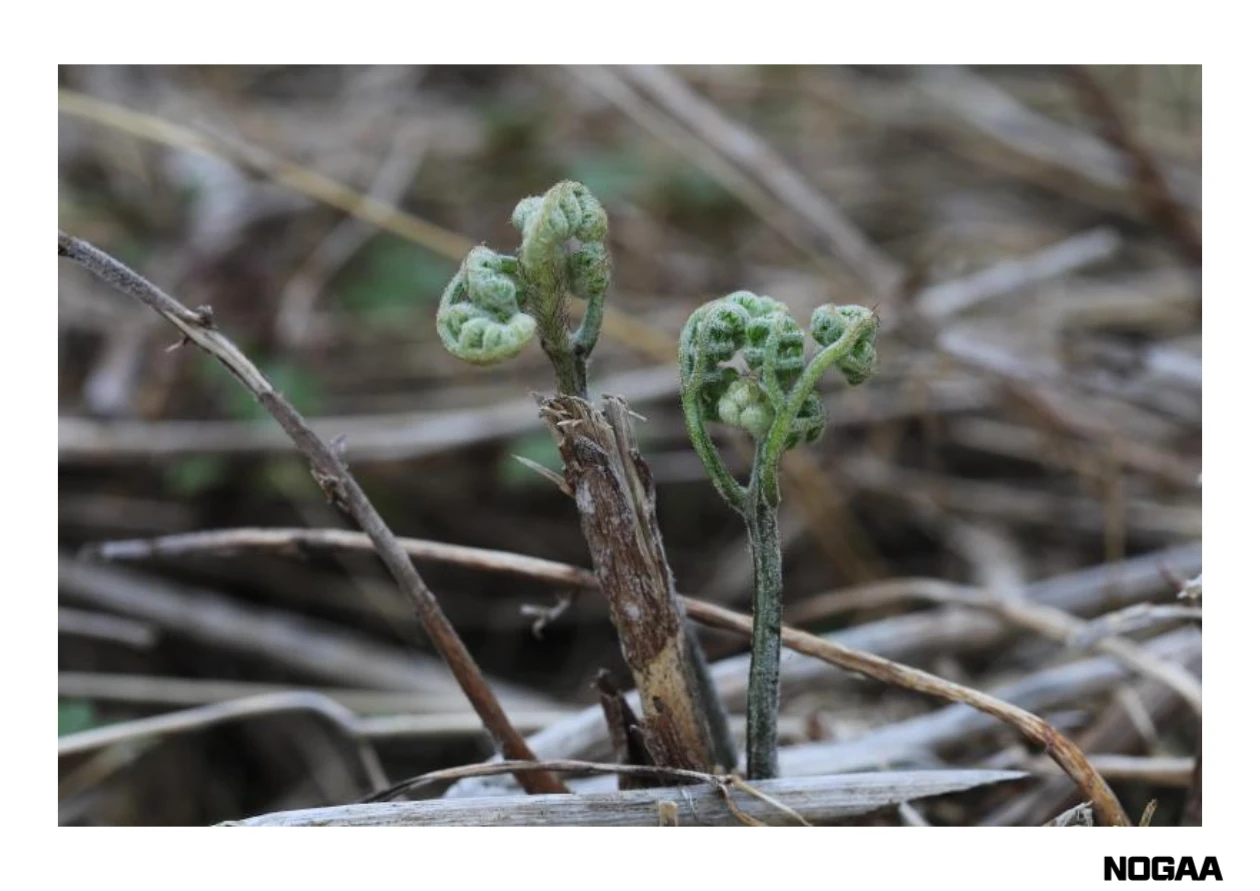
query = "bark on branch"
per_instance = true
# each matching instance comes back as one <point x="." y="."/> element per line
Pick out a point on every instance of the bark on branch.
<point x="682" y="719"/>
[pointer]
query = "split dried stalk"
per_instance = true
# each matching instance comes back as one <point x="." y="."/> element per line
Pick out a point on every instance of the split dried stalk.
<point x="683" y="722"/>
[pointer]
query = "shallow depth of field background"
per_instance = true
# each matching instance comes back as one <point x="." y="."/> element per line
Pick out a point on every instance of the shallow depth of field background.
<point x="1033" y="431"/>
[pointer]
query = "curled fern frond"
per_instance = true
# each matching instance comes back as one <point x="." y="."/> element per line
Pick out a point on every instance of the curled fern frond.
<point x="829" y="324"/>
<point x="589" y="271"/>
<point x="773" y="347"/>
<point x="496" y="303"/>
<point x="777" y="403"/>
<point x="776" y="400"/>
<point x="480" y="318"/>
<point x="568" y="212"/>
<point x="808" y="425"/>
<point x="713" y="335"/>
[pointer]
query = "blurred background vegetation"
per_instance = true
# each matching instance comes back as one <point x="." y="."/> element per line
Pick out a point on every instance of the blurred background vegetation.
<point x="1037" y="408"/>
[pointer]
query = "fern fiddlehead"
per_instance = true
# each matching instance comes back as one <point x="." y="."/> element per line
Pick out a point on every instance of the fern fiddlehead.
<point x="776" y="403"/>
<point x="480" y="318"/>
<point x="497" y="303"/>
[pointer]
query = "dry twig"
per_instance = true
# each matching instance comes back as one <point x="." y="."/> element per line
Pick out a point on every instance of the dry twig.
<point x="225" y="542"/>
<point x="334" y="478"/>
<point x="1053" y="623"/>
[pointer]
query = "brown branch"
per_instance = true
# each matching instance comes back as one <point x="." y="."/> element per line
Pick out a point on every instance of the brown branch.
<point x="297" y="541"/>
<point x="1064" y="752"/>
<point x="953" y="726"/>
<point x="1067" y="755"/>
<point x="625" y="732"/>
<point x="1117" y="729"/>
<point x="335" y="479"/>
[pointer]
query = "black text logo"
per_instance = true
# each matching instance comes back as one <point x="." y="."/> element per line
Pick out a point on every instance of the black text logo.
<point x="1160" y="869"/>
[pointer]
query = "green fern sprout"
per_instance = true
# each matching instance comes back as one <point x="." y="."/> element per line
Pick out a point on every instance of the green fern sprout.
<point x="496" y="303"/>
<point x="775" y="400"/>
<point x="480" y="319"/>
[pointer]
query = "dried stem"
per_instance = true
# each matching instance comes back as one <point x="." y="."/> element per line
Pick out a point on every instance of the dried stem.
<point x="335" y="479"/>
<point x="1153" y="770"/>
<point x="297" y="541"/>
<point x="683" y="721"/>
<point x="382" y="715"/>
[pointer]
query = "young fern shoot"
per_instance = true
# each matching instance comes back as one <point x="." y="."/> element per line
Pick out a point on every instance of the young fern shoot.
<point x="496" y="303"/>
<point x="489" y="313"/>
<point x="777" y="403"/>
